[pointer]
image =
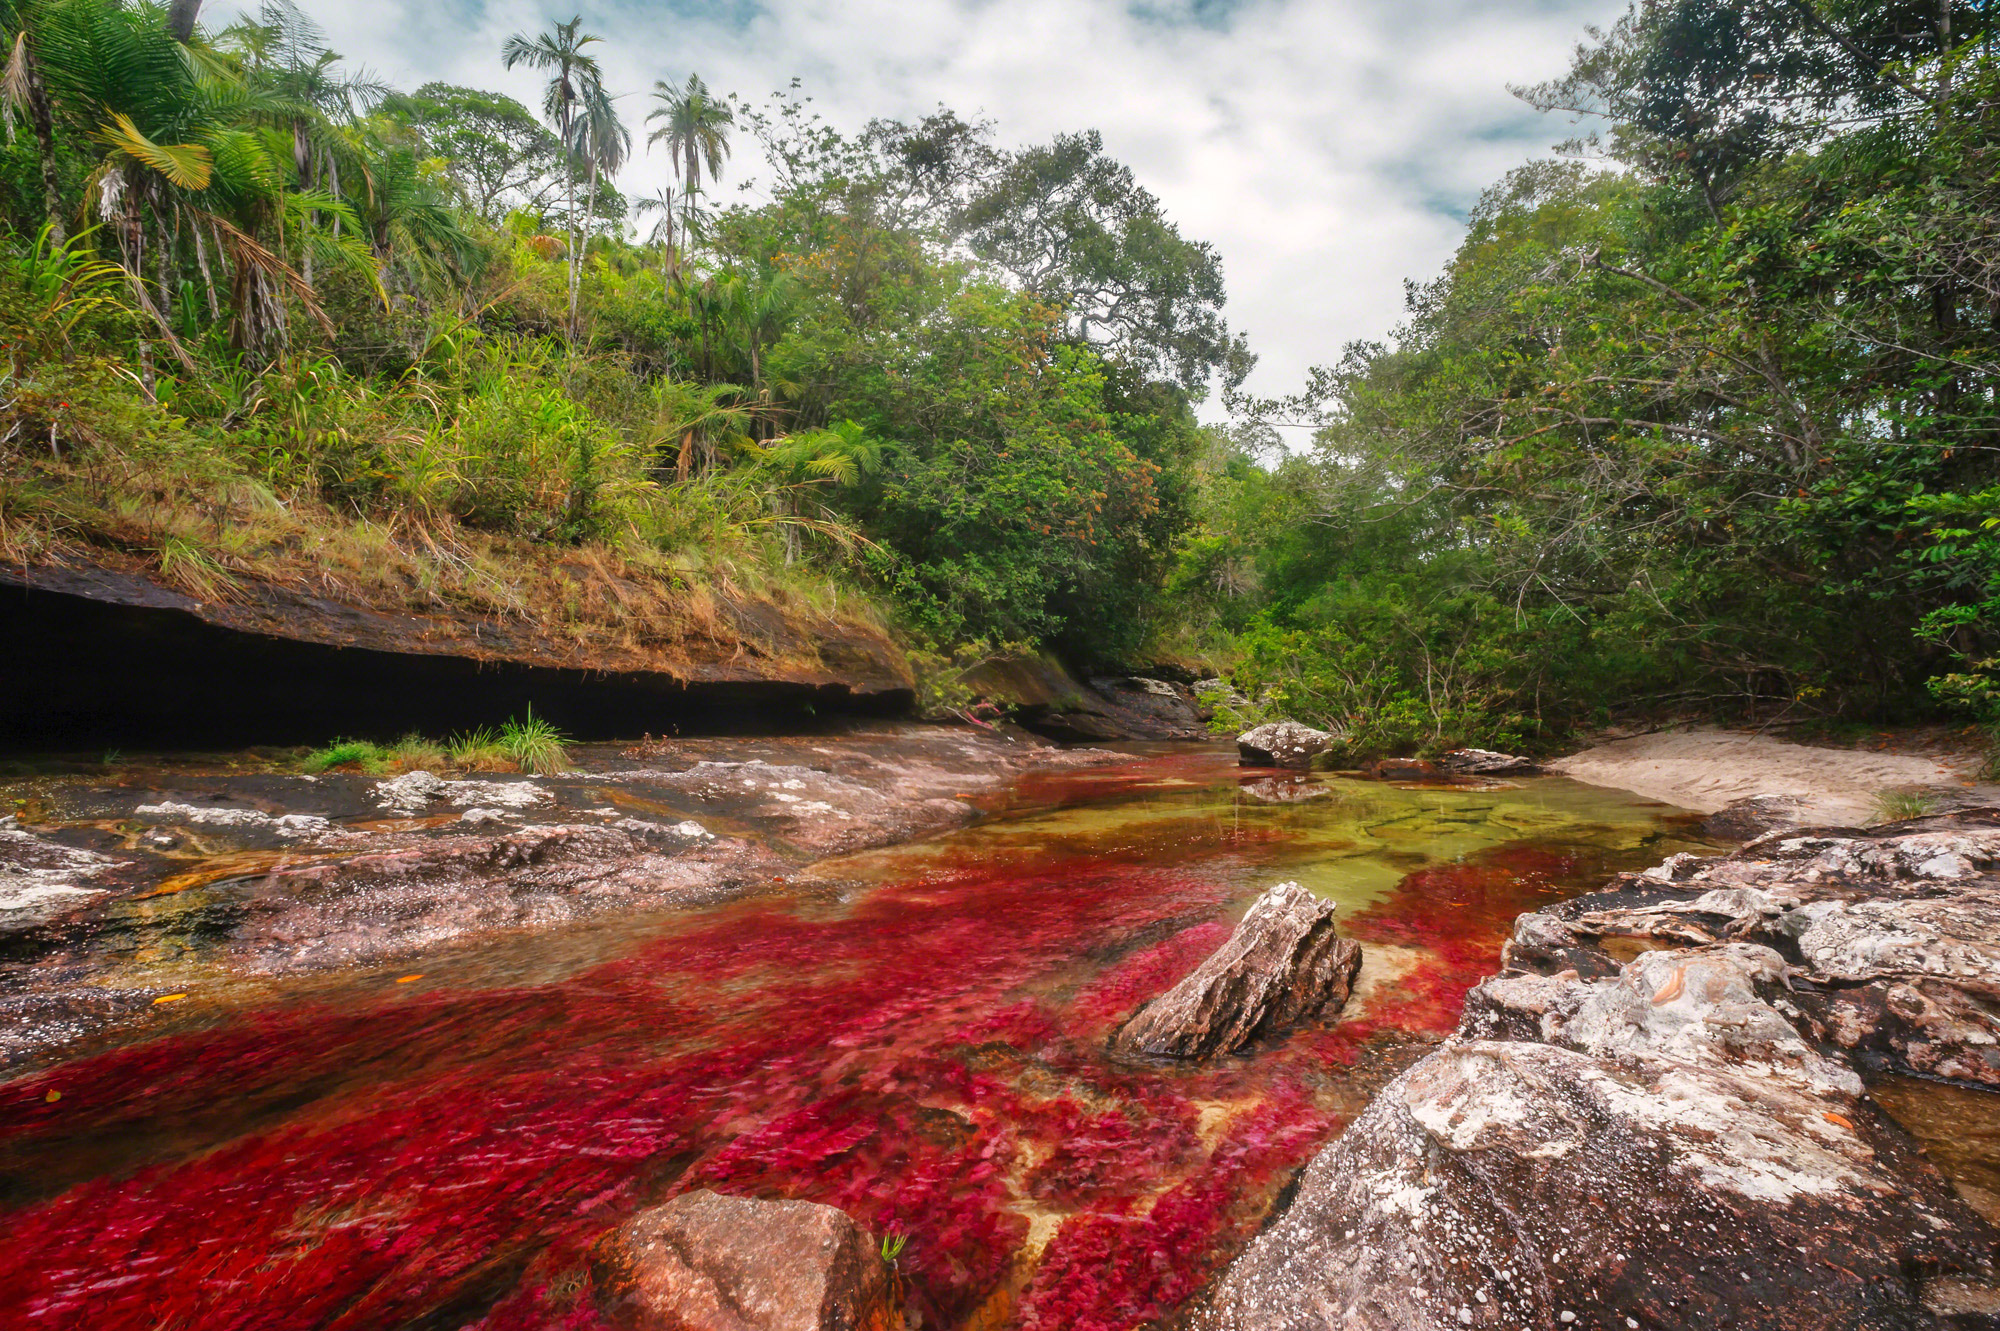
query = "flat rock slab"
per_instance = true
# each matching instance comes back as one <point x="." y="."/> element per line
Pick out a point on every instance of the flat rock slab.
<point x="706" y="1262"/>
<point x="1283" y="965"/>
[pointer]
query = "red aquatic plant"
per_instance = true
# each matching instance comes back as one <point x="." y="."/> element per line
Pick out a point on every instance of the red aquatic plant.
<point x="932" y="1061"/>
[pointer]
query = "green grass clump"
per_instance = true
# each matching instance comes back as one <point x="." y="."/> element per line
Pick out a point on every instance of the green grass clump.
<point x="361" y="753"/>
<point x="479" y="750"/>
<point x="535" y="745"/>
<point x="529" y="744"/>
<point x="1895" y="806"/>
<point x="414" y="752"/>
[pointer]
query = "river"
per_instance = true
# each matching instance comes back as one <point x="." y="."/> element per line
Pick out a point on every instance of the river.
<point x="916" y="1034"/>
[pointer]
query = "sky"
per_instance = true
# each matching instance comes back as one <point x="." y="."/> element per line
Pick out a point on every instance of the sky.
<point x="1328" y="148"/>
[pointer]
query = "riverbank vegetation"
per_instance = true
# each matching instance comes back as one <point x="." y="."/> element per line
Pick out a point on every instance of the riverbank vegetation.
<point x="1701" y="417"/>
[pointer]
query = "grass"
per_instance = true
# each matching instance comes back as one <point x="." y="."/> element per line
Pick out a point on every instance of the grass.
<point x="1895" y="806"/>
<point x="534" y="745"/>
<point x="529" y="744"/>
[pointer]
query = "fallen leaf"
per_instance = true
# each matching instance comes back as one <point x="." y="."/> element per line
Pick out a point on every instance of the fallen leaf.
<point x="405" y="979"/>
<point x="52" y="1096"/>
<point x="168" y="998"/>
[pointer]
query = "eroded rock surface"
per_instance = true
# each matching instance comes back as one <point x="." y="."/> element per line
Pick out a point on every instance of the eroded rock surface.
<point x="156" y="881"/>
<point x="705" y="1262"/>
<point x="1283" y="744"/>
<point x="1284" y="964"/>
<point x="1894" y="937"/>
<point x="1649" y="1120"/>
<point x="1504" y="1184"/>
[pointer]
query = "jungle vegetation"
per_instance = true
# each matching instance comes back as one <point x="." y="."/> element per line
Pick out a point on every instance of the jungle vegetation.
<point x="1700" y="418"/>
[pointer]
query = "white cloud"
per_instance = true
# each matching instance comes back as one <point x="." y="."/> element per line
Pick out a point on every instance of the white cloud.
<point x="1327" y="148"/>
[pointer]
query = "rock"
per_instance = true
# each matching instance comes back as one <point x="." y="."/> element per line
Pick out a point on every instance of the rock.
<point x="705" y="1262"/>
<point x="41" y="880"/>
<point x="1283" y="744"/>
<point x="1485" y="762"/>
<point x="1668" y="1142"/>
<point x="1754" y="816"/>
<point x="1401" y="769"/>
<point x="411" y="792"/>
<point x="1284" y="964"/>
<point x="1896" y="936"/>
<point x="1501" y="1184"/>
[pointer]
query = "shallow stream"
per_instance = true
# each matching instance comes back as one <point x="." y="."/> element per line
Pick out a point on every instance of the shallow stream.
<point x="916" y="1035"/>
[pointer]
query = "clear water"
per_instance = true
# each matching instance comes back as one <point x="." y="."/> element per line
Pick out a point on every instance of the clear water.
<point x="916" y="1035"/>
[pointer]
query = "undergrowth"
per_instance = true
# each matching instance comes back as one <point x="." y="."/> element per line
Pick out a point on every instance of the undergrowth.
<point x="526" y="744"/>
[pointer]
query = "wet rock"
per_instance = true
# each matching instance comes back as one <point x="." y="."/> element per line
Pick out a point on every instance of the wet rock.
<point x="1402" y="769"/>
<point x="1150" y="708"/>
<point x="1499" y="1184"/>
<point x="1283" y="744"/>
<point x="1486" y="762"/>
<point x="705" y="1262"/>
<point x="42" y="879"/>
<point x="1283" y="965"/>
<point x="188" y="815"/>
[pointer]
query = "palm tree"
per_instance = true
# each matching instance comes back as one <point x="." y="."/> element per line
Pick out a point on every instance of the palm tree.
<point x="664" y="203"/>
<point x="574" y="79"/>
<point x="602" y="140"/>
<point x="695" y="132"/>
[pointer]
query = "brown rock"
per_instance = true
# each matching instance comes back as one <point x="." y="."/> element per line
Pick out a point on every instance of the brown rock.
<point x="1486" y="762"/>
<point x="705" y="1262"/>
<point x="1283" y="965"/>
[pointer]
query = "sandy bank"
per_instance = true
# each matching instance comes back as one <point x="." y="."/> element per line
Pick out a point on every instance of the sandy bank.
<point x="1706" y="770"/>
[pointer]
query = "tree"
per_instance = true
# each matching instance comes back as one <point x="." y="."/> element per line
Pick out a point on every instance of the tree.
<point x="696" y="131"/>
<point x="500" y="157"/>
<point x="600" y="139"/>
<point x="24" y="92"/>
<point x="1074" y="227"/>
<point x="574" y="80"/>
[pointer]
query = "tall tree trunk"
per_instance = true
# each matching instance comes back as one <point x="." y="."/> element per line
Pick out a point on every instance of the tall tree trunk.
<point x="181" y="15"/>
<point x="45" y="138"/>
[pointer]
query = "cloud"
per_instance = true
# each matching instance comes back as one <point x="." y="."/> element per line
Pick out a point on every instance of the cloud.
<point x="1328" y="149"/>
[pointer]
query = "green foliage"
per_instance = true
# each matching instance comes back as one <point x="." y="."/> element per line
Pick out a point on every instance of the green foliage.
<point x="534" y="745"/>
<point x="360" y="753"/>
<point x="1895" y="806"/>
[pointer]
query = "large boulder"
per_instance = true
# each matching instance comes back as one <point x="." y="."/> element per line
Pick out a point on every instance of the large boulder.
<point x="1500" y="1184"/>
<point x="1283" y="965"/>
<point x="1662" y="1149"/>
<point x="1283" y="744"/>
<point x="705" y="1262"/>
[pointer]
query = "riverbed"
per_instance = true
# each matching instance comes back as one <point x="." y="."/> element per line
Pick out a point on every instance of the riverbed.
<point x="915" y="1033"/>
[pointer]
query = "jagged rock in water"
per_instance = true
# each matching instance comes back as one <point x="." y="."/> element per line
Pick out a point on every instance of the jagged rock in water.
<point x="705" y="1262"/>
<point x="1486" y="762"/>
<point x="1284" y="964"/>
<point x="1283" y="744"/>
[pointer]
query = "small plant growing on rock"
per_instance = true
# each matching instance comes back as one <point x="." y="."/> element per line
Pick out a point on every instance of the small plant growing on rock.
<point x="1895" y="806"/>
<point x="357" y="753"/>
<point x="535" y="745"/>
<point x="478" y="750"/>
